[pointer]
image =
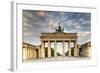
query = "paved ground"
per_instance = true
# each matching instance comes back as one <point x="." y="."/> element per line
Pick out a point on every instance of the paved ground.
<point x="57" y="59"/>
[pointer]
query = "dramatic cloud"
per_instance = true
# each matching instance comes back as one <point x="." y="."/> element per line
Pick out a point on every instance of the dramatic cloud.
<point x="41" y="13"/>
<point x="84" y="37"/>
<point x="83" y="34"/>
<point x="36" y="22"/>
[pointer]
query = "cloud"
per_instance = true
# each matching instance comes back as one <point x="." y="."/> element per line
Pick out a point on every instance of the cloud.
<point x="25" y="19"/>
<point x="25" y="24"/>
<point x="28" y="33"/>
<point x="52" y="23"/>
<point x="25" y="29"/>
<point x="83" y="37"/>
<point x="36" y="22"/>
<point x="83" y="34"/>
<point x="27" y="14"/>
<point x="78" y="27"/>
<point x="41" y="13"/>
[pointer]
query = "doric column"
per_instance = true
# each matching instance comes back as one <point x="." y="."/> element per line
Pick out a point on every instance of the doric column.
<point x="90" y="50"/>
<point x="39" y="52"/>
<point x="49" y="49"/>
<point x="27" y="52"/>
<point x="69" y="48"/>
<point x="76" y="50"/>
<point x="55" y="48"/>
<point x="42" y="50"/>
<point x="63" y="48"/>
<point x="30" y="52"/>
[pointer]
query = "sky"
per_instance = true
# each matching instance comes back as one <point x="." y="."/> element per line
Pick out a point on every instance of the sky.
<point x="36" y="22"/>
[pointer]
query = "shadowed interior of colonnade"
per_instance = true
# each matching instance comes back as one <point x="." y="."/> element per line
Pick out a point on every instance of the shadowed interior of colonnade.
<point x="60" y="52"/>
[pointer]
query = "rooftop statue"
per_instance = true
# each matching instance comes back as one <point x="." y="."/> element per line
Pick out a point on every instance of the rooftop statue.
<point x="59" y="28"/>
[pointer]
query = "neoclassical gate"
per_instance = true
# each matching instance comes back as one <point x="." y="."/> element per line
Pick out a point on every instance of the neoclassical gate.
<point x="56" y="37"/>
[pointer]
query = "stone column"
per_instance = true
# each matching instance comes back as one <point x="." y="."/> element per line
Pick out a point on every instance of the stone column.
<point x="49" y="49"/>
<point x="39" y="52"/>
<point x="76" y="50"/>
<point x="30" y="52"/>
<point x="69" y="48"/>
<point x="63" y="48"/>
<point x="27" y="52"/>
<point x="55" y="48"/>
<point x="24" y="52"/>
<point x="42" y="49"/>
<point x="90" y="51"/>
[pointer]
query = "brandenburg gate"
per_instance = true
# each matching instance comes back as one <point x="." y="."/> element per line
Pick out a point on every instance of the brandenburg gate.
<point x="58" y="36"/>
